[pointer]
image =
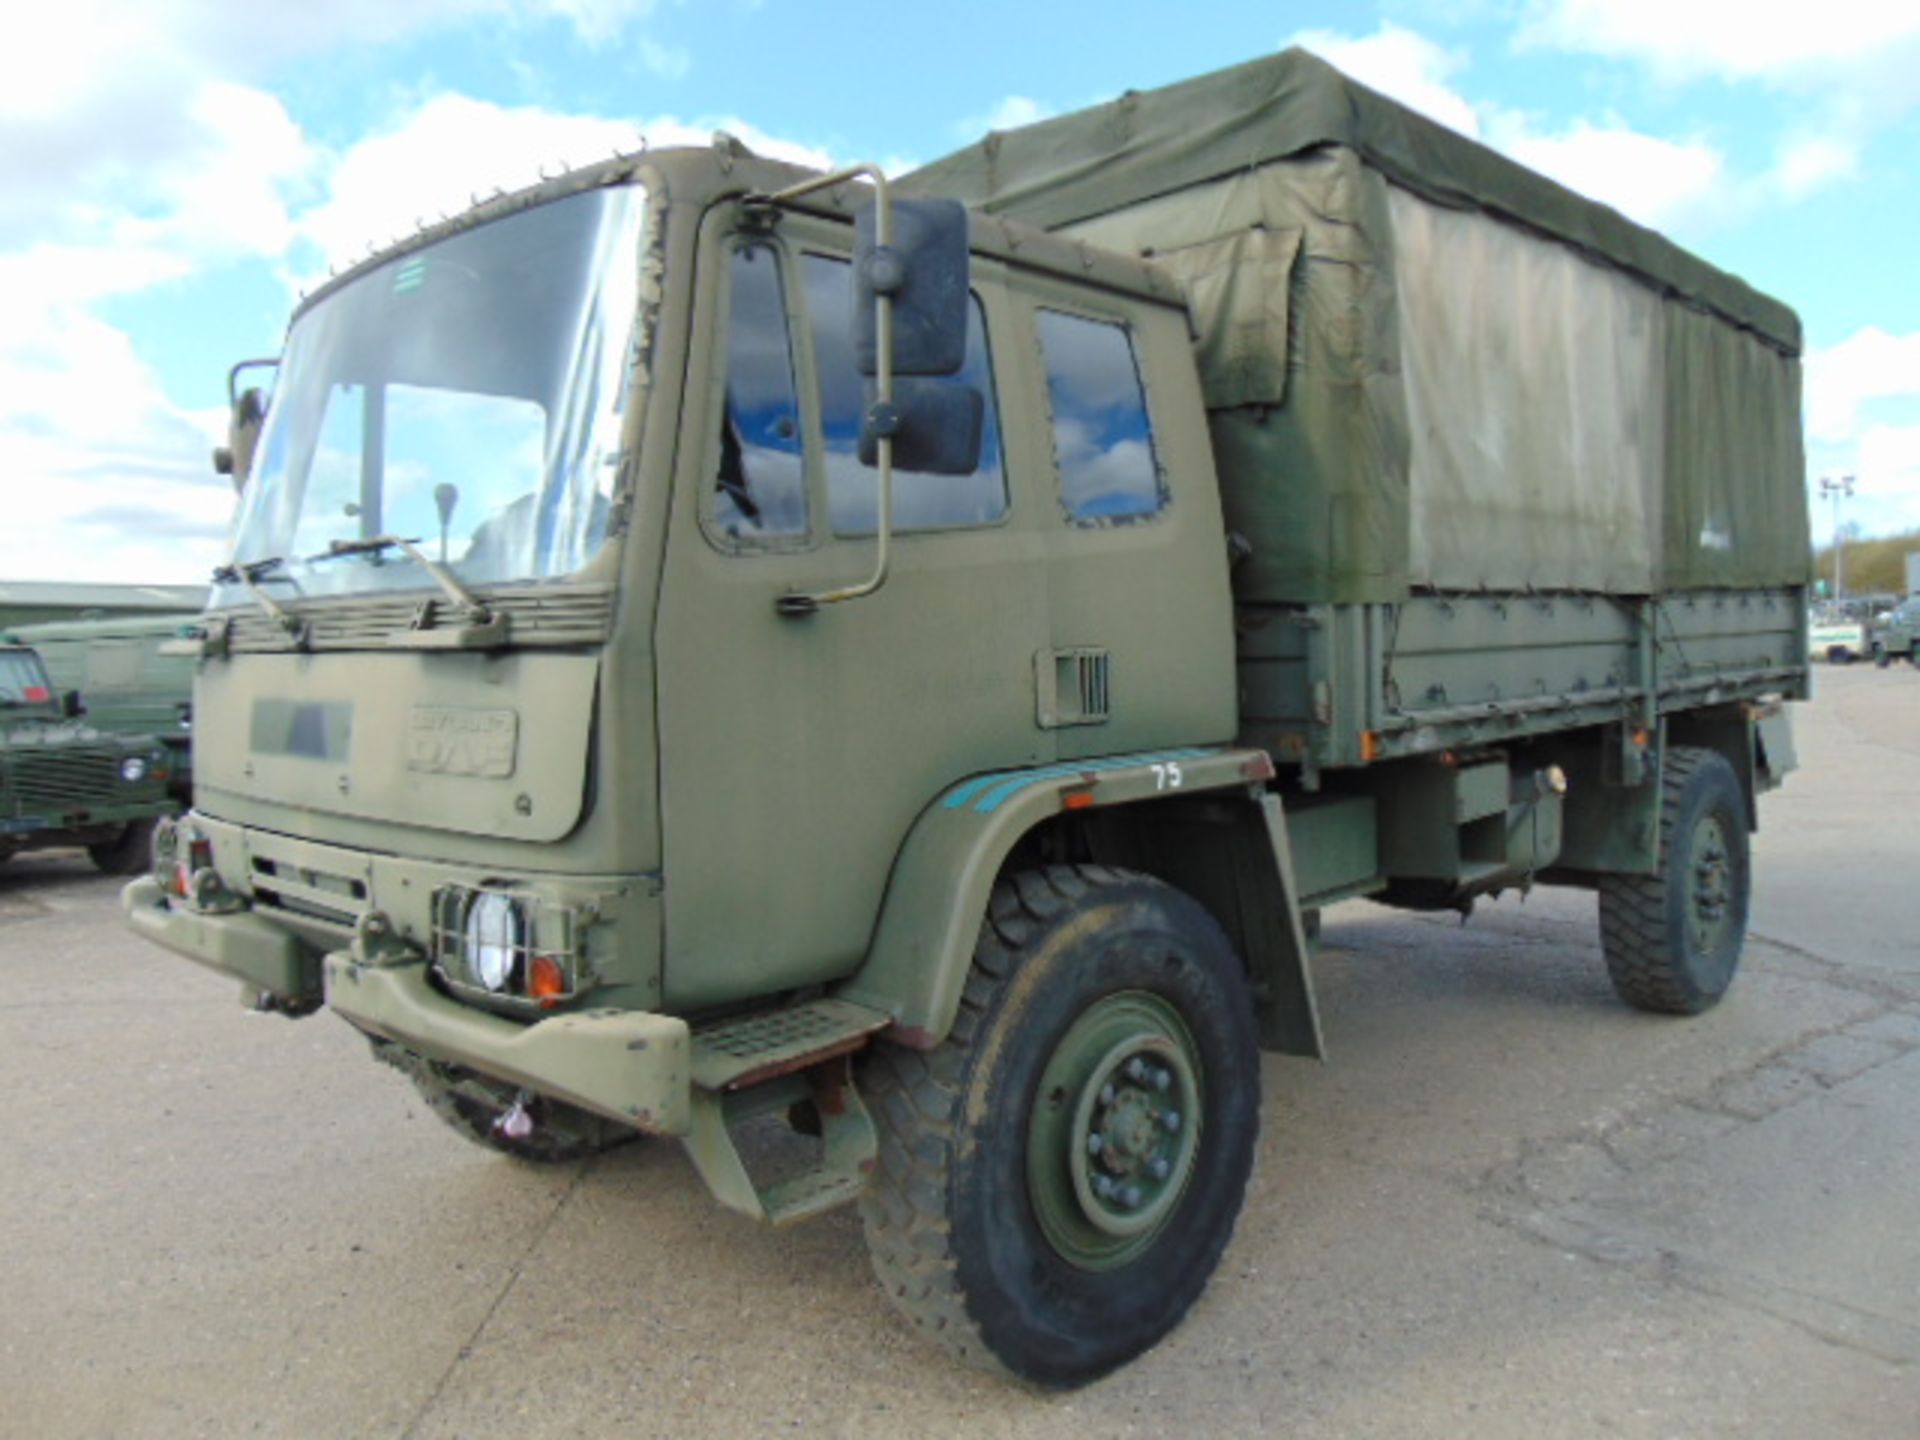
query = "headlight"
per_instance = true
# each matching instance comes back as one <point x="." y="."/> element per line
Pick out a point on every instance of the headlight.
<point x="132" y="769"/>
<point x="495" y="937"/>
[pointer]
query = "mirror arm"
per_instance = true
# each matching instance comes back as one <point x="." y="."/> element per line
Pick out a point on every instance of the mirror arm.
<point x="804" y="604"/>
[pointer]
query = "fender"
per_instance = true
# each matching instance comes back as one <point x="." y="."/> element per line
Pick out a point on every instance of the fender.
<point x="944" y="875"/>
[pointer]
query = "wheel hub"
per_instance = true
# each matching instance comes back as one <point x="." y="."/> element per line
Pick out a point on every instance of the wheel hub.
<point x="1114" y="1137"/>
<point x="1710" y="883"/>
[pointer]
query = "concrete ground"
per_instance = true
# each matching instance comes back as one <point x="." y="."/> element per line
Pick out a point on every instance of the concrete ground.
<point x="1506" y="1206"/>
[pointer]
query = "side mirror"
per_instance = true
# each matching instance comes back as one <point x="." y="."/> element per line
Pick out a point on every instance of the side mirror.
<point x="72" y="707"/>
<point x="924" y="270"/>
<point x="936" y="427"/>
<point x="235" y="458"/>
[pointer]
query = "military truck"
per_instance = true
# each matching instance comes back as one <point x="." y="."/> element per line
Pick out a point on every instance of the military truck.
<point x="710" y="643"/>
<point x="132" y="684"/>
<point x="63" y="782"/>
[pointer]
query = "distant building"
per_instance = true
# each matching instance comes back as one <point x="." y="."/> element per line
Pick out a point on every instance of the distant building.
<point x="29" y="602"/>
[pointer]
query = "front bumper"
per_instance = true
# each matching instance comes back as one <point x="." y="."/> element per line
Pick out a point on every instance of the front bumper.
<point x="630" y="1066"/>
<point x="261" y="956"/>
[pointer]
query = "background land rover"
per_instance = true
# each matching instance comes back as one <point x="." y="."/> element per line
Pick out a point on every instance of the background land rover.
<point x="1896" y="634"/>
<point x="63" y="782"/>
<point x="574" y="722"/>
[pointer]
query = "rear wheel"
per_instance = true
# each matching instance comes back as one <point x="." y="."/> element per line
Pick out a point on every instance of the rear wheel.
<point x="128" y="853"/>
<point x="1672" y="939"/>
<point x="1058" y="1179"/>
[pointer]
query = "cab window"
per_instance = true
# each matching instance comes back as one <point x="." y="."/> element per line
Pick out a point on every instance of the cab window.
<point x="1102" y="440"/>
<point x="760" y="488"/>
<point x="920" y="501"/>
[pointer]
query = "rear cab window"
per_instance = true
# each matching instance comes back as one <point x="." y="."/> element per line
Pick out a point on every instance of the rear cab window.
<point x="1109" y="471"/>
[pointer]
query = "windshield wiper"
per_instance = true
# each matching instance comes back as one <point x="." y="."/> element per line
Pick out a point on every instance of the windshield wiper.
<point x="249" y="574"/>
<point x="480" y="629"/>
<point x="252" y="570"/>
<point x="374" y="544"/>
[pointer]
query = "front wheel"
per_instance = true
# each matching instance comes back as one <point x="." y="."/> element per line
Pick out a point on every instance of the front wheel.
<point x="1057" y="1180"/>
<point x="1672" y="939"/>
<point x="128" y="853"/>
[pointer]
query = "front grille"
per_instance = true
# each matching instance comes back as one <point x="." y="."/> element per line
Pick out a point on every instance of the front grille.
<point x="315" y="894"/>
<point x="62" y="780"/>
<point x="573" y="615"/>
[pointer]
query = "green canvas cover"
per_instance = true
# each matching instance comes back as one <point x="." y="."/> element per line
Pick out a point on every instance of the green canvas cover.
<point x="1425" y="365"/>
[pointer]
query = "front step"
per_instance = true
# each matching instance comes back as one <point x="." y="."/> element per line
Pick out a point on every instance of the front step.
<point x="763" y="1063"/>
<point x="751" y="1049"/>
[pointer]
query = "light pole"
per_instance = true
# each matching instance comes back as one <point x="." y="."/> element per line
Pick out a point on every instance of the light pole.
<point x="1838" y="487"/>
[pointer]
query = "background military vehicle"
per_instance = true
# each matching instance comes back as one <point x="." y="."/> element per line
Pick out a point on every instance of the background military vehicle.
<point x="686" y="662"/>
<point x="64" y="782"/>
<point x="133" y="683"/>
<point x="1896" y="634"/>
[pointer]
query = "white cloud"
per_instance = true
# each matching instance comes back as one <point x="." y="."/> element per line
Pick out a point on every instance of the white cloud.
<point x="1888" y="470"/>
<point x="1400" y="63"/>
<point x="1656" y="181"/>
<point x="1736" y="39"/>
<point x="1812" y="163"/>
<point x="670" y="62"/>
<point x="435" y="160"/>
<point x="1010" y="114"/>
<point x="1843" y="380"/>
<point x="1660" y="183"/>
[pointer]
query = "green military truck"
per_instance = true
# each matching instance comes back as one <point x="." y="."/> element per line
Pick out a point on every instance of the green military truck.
<point x="1896" y="635"/>
<point x="710" y="643"/>
<point x="132" y="683"/>
<point x="64" y="782"/>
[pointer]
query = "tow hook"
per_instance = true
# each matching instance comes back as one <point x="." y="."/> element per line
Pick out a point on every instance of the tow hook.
<point x="515" y="1122"/>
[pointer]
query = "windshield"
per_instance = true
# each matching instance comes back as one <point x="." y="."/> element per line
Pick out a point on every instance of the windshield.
<point x="466" y="396"/>
<point x="23" y="681"/>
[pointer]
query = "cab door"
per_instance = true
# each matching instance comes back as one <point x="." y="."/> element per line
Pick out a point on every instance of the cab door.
<point x="796" y="753"/>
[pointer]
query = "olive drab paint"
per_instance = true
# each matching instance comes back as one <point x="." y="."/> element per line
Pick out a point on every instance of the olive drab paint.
<point x="549" y="738"/>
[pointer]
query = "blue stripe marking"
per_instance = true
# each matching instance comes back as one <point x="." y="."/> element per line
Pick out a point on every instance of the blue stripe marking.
<point x="995" y="790"/>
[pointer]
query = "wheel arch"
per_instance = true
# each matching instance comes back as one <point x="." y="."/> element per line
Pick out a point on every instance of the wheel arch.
<point x="1199" y="819"/>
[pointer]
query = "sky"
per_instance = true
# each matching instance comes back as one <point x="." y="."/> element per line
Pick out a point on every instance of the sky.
<point x="175" y="173"/>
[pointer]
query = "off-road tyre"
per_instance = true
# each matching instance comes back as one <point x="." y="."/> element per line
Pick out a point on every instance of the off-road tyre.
<point x="473" y="1107"/>
<point x="1672" y="939"/>
<point x="976" y="1230"/>
<point x="128" y="853"/>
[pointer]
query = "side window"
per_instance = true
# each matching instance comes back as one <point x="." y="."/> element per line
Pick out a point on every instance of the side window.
<point x="920" y="501"/>
<point x="761" y="486"/>
<point x="1102" y="442"/>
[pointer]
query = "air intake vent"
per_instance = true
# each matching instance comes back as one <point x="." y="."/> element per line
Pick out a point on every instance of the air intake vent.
<point x="1073" y="687"/>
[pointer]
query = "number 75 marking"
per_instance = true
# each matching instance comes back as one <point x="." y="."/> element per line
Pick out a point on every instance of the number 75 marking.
<point x="1167" y="777"/>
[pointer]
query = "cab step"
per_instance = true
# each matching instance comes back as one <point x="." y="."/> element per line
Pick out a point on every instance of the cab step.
<point x="768" y="1063"/>
<point x="751" y="1049"/>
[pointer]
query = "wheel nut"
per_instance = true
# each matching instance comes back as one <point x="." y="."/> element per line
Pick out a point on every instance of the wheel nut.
<point x="1162" y="1080"/>
<point x="1106" y="1094"/>
<point x="1102" y="1186"/>
<point x="1160" y="1169"/>
<point x="1095" y="1144"/>
<point x="1170" y="1119"/>
<point x="1136" y="1069"/>
<point x="1130" y="1197"/>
